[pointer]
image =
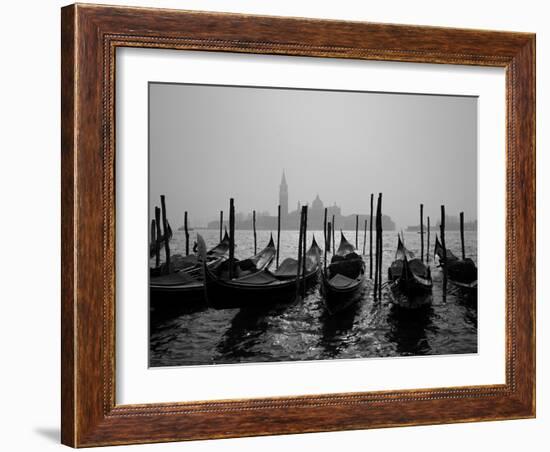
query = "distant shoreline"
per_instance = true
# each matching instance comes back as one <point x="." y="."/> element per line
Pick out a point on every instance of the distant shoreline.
<point x="199" y="228"/>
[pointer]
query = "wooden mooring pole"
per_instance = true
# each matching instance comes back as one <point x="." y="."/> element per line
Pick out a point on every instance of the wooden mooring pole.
<point x="165" y="231"/>
<point x="462" y="235"/>
<point x="304" y="245"/>
<point x="299" y="266"/>
<point x="328" y="239"/>
<point x="333" y="239"/>
<point x="221" y="224"/>
<point x="186" y="234"/>
<point x="442" y="234"/>
<point x="365" y="238"/>
<point x="153" y="233"/>
<point x="444" y="263"/>
<point x="327" y="243"/>
<point x="428" y="242"/>
<point x="422" y="232"/>
<point x="159" y="237"/>
<point x="254" y="228"/>
<point x="278" y="233"/>
<point x="231" y="238"/>
<point x="357" y="232"/>
<point x="370" y="235"/>
<point x="325" y="227"/>
<point x="381" y="245"/>
<point x="376" y="253"/>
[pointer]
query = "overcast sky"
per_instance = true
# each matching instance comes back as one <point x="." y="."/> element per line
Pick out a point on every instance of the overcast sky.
<point x="210" y="143"/>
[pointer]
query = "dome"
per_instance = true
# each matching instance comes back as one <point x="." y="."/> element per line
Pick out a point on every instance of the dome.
<point x="317" y="203"/>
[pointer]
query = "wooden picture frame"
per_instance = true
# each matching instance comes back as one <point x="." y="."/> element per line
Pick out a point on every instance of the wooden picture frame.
<point x="90" y="36"/>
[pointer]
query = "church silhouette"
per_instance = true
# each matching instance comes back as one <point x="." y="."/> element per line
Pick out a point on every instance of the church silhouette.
<point x="290" y="220"/>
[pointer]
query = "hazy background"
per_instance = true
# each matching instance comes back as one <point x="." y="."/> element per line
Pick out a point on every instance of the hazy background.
<point x="210" y="143"/>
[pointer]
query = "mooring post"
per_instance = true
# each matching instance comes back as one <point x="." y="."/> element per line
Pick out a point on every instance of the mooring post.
<point x="462" y="235"/>
<point x="380" y="240"/>
<point x="304" y="260"/>
<point x="444" y="246"/>
<point x="254" y="227"/>
<point x="325" y="227"/>
<point x="153" y="237"/>
<point x="231" y="238"/>
<point x="428" y="243"/>
<point x="186" y="234"/>
<point x="299" y="266"/>
<point x="166" y="234"/>
<point x="278" y="233"/>
<point x="442" y="233"/>
<point x="159" y="237"/>
<point x="422" y="232"/>
<point x="333" y="239"/>
<point x="221" y="224"/>
<point x="370" y="235"/>
<point x="378" y="268"/>
<point x="376" y="253"/>
<point x="357" y="232"/>
<point x="328" y="239"/>
<point x="365" y="238"/>
<point x="153" y="231"/>
<point x="327" y="243"/>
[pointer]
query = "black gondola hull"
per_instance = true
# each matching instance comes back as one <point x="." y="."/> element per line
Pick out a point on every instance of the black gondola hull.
<point x="462" y="274"/>
<point x="411" y="286"/>
<point x="187" y="288"/>
<point x="337" y="299"/>
<point x="348" y="269"/>
<point x="409" y="276"/>
<point x="222" y="294"/>
<point x="177" y="298"/>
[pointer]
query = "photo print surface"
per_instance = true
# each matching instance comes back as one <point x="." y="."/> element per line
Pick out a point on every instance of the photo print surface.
<point x="293" y="224"/>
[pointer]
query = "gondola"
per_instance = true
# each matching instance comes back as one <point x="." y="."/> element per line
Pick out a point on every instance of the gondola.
<point x="190" y="263"/>
<point x="262" y="288"/>
<point x="189" y="287"/>
<point x="409" y="276"/>
<point x="289" y="267"/>
<point x="245" y="267"/>
<point x="460" y="272"/>
<point x="220" y="249"/>
<point x="344" y="278"/>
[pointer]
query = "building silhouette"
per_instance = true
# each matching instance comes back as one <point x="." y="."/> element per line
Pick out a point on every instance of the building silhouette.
<point x="452" y="223"/>
<point x="290" y="221"/>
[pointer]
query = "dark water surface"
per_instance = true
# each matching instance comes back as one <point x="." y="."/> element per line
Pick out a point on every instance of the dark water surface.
<point x="304" y="331"/>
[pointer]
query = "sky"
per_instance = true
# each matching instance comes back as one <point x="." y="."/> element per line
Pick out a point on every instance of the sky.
<point x="210" y="143"/>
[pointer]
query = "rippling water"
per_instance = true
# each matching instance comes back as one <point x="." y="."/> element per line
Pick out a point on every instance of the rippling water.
<point x="304" y="331"/>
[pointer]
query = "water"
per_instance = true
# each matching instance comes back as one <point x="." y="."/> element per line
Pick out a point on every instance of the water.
<point x="304" y="331"/>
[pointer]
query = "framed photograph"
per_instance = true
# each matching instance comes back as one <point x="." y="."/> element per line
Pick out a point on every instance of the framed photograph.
<point x="280" y="225"/>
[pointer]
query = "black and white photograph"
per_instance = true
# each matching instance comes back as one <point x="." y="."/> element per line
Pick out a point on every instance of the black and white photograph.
<point x="293" y="224"/>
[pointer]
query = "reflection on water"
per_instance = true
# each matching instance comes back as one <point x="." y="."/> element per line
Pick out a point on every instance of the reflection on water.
<point x="304" y="330"/>
<point x="336" y="330"/>
<point x="409" y="330"/>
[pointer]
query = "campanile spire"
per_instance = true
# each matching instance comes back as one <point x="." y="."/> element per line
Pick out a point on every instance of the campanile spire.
<point x="283" y="195"/>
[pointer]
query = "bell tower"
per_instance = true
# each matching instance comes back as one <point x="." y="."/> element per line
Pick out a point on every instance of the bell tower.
<point x="283" y="196"/>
